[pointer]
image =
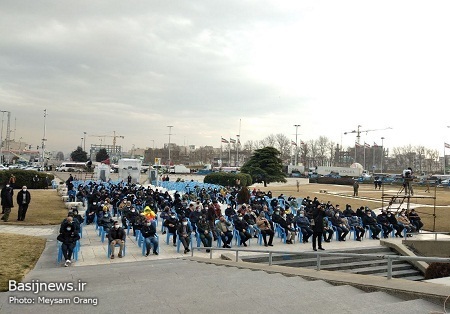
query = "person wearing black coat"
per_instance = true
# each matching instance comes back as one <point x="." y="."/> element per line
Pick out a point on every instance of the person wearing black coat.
<point x="68" y="236"/>
<point x="6" y="201"/>
<point x="318" y="217"/>
<point x="23" y="200"/>
<point x="171" y="224"/>
<point x="132" y="217"/>
<point x="393" y="221"/>
<point x="241" y="226"/>
<point x="369" y="222"/>
<point x="116" y="236"/>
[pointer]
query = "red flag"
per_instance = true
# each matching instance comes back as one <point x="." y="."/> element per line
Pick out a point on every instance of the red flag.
<point x="302" y="143"/>
<point x="446" y="145"/>
<point x="293" y="143"/>
<point x="366" y="145"/>
<point x="232" y="141"/>
<point x="224" y="140"/>
<point x="357" y="144"/>
<point x="375" y="144"/>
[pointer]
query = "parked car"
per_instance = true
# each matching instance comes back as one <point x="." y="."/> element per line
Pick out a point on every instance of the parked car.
<point x="3" y="167"/>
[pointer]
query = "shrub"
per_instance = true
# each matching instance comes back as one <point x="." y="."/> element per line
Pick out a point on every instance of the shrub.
<point x="24" y="177"/>
<point x="228" y="179"/>
<point x="437" y="270"/>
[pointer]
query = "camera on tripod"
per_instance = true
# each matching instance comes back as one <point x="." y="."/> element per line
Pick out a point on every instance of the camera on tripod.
<point x="407" y="173"/>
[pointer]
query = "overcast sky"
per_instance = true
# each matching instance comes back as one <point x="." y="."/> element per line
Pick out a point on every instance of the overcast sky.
<point x="135" y="67"/>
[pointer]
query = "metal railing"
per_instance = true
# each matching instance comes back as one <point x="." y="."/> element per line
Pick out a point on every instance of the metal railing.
<point x="319" y="255"/>
<point x="428" y="232"/>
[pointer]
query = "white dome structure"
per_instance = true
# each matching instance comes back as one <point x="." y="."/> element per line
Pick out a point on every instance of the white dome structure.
<point x="356" y="165"/>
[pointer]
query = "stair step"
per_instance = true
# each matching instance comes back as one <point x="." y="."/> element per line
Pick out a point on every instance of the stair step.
<point x="400" y="273"/>
<point x="414" y="278"/>
<point x="380" y="269"/>
<point x="357" y="264"/>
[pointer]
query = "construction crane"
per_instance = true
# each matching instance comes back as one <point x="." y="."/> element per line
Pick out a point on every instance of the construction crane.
<point x="358" y="132"/>
<point x="115" y="136"/>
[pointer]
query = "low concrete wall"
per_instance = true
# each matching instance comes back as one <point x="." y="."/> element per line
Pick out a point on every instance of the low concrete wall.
<point x="430" y="248"/>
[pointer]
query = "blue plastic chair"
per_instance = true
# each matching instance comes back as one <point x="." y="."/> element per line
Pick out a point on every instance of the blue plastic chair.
<point x="179" y="243"/>
<point x="142" y="244"/>
<point x="108" y="254"/>
<point x="74" y="255"/>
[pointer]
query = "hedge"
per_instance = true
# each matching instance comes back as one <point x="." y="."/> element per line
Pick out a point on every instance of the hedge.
<point x="228" y="179"/>
<point x="24" y="177"/>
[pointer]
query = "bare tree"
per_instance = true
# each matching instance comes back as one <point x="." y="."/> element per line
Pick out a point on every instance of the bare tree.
<point x="270" y="140"/>
<point x="283" y="144"/>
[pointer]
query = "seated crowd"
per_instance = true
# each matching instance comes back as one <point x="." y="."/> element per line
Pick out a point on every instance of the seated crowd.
<point x="199" y="212"/>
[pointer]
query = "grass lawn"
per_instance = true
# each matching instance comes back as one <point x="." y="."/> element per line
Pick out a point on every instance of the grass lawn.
<point x="46" y="208"/>
<point x="367" y="190"/>
<point x="20" y="254"/>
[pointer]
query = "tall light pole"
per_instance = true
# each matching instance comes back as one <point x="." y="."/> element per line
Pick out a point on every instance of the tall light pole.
<point x="81" y="145"/>
<point x="296" y="143"/>
<point x="170" y="133"/>
<point x="382" y="153"/>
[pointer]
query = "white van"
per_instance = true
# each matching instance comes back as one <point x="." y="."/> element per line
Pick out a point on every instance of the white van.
<point x="72" y="166"/>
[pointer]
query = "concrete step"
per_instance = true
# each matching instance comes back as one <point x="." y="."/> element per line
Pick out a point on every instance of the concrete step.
<point x="358" y="264"/>
<point x="417" y="306"/>
<point x="379" y="269"/>
<point x="326" y="260"/>
<point x="401" y="273"/>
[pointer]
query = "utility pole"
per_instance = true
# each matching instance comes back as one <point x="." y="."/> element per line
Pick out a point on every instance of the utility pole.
<point x="170" y="133"/>
<point x="296" y="143"/>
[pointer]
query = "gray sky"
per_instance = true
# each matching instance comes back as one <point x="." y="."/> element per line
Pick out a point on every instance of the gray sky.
<point x="135" y="67"/>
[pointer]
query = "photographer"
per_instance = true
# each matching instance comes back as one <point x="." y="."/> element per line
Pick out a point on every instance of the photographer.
<point x="407" y="176"/>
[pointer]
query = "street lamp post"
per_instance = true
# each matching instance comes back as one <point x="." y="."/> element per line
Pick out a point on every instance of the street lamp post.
<point x="382" y="153"/>
<point x="81" y="145"/>
<point x="296" y="144"/>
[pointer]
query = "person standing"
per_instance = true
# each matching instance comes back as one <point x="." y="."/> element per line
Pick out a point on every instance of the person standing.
<point x="23" y="200"/>
<point x="12" y="181"/>
<point x="298" y="186"/>
<point x="6" y="201"/>
<point x="318" y="217"/>
<point x="355" y="188"/>
<point x="35" y="182"/>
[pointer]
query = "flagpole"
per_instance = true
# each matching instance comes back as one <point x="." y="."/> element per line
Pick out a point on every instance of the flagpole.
<point x="220" y="151"/>
<point x="444" y="158"/>
<point x="355" y="152"/>
<point x="238" y="144"/>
